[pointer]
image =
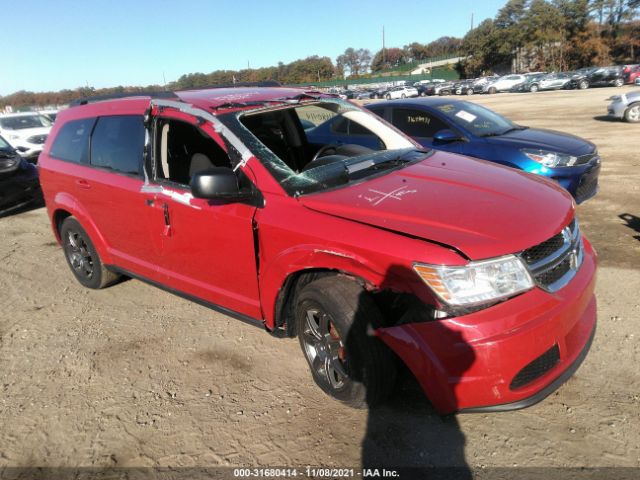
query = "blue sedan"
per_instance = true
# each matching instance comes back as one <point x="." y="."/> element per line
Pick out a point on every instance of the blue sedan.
<point x="470" y="129"/>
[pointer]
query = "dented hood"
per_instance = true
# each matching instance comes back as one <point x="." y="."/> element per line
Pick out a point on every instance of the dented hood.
<point x="482" y="209"/>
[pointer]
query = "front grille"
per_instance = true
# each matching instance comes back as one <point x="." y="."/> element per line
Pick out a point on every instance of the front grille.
<point x="586" y="189"/>
<point x="37" y="139"/>
<point x="583" y="159"/>
<point x="537" y="368"/>
<point x="554" y="262"/>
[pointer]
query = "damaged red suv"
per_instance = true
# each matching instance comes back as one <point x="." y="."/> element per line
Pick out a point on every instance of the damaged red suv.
<point x="372" y="253"/>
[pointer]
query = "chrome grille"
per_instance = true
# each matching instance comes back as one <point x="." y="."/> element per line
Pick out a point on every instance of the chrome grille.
<point x="554" y="262"/>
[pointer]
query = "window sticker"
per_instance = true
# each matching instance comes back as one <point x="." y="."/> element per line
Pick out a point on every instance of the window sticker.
<point x="446" y="108"/>
<point x="466" y="116"/>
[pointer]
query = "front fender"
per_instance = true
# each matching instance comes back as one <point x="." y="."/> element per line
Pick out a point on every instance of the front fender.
<point x="311" y="257"/>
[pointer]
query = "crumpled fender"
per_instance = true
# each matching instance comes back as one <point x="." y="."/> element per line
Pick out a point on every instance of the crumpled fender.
<point x="311" y="257"/>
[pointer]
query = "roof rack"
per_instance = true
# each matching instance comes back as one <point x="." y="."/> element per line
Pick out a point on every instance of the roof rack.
<point x="168" y="94"/>
<point x="114" y="96"/>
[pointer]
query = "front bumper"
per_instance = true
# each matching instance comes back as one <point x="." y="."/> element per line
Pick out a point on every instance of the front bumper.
<point x="468" y="363"/>
<point x="580" y="181"/>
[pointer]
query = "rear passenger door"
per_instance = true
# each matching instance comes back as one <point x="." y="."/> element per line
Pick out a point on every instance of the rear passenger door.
<point x="117" y="201"/>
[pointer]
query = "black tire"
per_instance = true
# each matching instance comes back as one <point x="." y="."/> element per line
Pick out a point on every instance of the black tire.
<point x="82" y="257"/>
<point x="355" y="367"/>
<point x="492" y="90"/>
<point x="388" y="97"/>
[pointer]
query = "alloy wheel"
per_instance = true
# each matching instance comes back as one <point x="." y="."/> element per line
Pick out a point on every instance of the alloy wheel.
<point x="324" y="349"/>
<point x="79" y="255"/>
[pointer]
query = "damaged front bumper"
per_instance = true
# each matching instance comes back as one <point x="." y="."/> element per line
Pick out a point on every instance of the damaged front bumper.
<point x="507" y="356"/>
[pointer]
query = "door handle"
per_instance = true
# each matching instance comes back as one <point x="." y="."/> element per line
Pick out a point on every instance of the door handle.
<point x="83" y="184"/>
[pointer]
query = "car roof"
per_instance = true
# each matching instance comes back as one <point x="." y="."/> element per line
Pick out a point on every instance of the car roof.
<point x="432" y="102"/>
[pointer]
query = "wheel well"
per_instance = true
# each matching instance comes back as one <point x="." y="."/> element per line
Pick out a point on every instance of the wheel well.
<point x="287" y="296"/>
<point x="59" y="216"/>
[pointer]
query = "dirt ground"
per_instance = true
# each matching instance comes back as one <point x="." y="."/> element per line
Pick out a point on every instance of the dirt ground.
<point x="133" y="376"/>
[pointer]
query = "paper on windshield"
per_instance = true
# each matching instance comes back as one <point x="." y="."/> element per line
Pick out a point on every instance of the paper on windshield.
<point x="466" y="116"/>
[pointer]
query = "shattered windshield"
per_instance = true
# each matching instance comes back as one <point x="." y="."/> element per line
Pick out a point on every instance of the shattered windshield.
<point x="316" y="145"/>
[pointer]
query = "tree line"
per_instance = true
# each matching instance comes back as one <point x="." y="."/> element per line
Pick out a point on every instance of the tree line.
<point x="525" y="35"/>
<point x="532" y="35"/>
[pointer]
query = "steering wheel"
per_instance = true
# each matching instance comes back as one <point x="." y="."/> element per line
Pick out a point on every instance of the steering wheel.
<point x="324" y="150"/>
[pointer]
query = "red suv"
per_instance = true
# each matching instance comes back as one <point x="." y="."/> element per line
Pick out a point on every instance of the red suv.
<point x="476" y="276"/>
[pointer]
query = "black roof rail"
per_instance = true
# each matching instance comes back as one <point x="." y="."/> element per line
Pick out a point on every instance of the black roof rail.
<point x="115" y="96"/>
<point x="265" y="83"/>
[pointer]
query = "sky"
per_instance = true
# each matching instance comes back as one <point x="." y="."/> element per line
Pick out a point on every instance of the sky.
<point x="56" y="44"/>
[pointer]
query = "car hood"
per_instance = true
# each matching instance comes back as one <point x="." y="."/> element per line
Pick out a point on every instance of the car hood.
<point x="544" y="140"/>
<point x="481" y="209"/>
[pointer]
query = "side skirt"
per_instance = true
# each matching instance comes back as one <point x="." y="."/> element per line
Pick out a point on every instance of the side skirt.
<point x="213" y="306"/>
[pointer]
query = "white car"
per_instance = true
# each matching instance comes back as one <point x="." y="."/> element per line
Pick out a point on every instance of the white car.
<point x="401" y="92"/>
<point x="26" y="132"/>
<point x="504" y="84"/>
<point x="625" y="106"/>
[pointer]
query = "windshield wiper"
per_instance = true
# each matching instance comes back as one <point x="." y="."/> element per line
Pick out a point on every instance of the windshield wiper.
<point x="511" y="129"/>
<point x="386" y="160"/>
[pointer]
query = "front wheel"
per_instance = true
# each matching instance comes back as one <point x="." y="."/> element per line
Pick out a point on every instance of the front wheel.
<point x="469" y="91"/>
<point x="492" y="90"/>
<point x="583" y="85"/>
<point x="632" y="114"/>
<point x="388" y="97"/>
<point x="403" y="96"/>
<point x="618" y="82"/>
<point x="82" y="257"/>
<point x="533" y="88"/>
<point x="334" y="321"/>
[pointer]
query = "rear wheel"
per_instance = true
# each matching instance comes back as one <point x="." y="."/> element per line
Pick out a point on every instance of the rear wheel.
<point x="469" y="91"/>
<point x="533" y="88"/>
<point x="82" y="257"/>
<point x="387" y="96"/>
<point x="632" y="114"/>
<point x="583" y="84"/>
<point x="618" y="82"/>
<point x="492" y="90"/>
<point x="334" y="320"/>
<point x="403" y="96"/>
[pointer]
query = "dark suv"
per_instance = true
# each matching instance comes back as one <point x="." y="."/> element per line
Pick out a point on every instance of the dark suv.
<point x="19" y="185"/>
<point x="477" y="276"/>
<point x="597" y="77"/>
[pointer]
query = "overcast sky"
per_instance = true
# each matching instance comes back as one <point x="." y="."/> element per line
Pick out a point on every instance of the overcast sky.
<point x="56" y="44"/>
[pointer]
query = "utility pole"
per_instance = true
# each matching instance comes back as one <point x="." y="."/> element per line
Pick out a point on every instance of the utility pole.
<point x="471" y="20"/>
<point x="384" y="57"/>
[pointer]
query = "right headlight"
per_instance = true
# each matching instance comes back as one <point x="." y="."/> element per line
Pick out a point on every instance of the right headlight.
<point x="550" y="159"/>
<point x="476" y="283"/>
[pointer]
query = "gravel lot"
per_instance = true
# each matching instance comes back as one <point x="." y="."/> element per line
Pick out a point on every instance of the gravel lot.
<point x="133" y="376"/>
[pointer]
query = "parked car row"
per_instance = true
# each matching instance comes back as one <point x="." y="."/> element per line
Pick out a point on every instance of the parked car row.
<point x="345" y="233"/>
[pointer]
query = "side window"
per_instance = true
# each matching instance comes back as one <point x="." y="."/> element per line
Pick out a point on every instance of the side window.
<point x="182" y="149"/>
<point x="417" y="123"/>
<point x="117" y="143"/>
<point x="72" y="142"/>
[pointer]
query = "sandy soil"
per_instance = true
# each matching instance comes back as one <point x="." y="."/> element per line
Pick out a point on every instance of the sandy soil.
<point x="133" y="376"/>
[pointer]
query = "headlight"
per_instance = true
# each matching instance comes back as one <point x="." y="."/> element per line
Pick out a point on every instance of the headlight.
<point x="550" y="159"/>
<point x="476" y="282"/>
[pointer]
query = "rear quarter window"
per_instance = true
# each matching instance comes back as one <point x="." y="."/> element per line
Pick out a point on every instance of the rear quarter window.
<point x="72" y="141"/>
<point x="117" y="143"/>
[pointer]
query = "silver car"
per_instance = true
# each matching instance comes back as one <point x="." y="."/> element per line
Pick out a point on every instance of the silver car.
<point x="625" y="106"/>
